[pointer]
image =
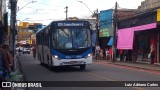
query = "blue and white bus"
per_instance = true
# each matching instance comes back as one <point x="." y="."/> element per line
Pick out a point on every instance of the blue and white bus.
<point x="65" y="43"/>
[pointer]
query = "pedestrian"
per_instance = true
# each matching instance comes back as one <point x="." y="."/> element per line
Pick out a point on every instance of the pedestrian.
<point x="19" y="51"/>
<point x="9" y="56"/>
<point x="104" y="54"/>
<point x="107" y="54"/>
<point x="121" y="55"/>
<point x="152" y="56"/>
<point x="34" y="52"/>
<point x="4" y="65"/>
<point x="97" y="51"/>
<point x="101" y="54"/>
<point x="110" y="54"/>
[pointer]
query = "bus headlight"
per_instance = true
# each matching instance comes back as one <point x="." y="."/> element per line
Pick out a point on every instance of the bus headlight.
<point x="88" y="55"/>
<point x="55" y="56"/>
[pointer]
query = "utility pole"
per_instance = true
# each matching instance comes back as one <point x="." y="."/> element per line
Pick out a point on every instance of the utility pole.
<point x="66" y="12"/>
<point x="13" y="4"/>
<point x="114" y="33"/>
<point x="97" y="25"/>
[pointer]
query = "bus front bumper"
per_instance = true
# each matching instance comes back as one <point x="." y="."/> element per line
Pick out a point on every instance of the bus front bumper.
<point x="75" y="62"/>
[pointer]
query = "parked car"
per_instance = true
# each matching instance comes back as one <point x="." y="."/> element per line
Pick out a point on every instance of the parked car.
<point x="21" y="49"/>
<point x="26" y="50"/>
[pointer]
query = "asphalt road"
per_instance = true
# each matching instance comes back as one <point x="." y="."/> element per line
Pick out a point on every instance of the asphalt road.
<point x="98" y="71"/>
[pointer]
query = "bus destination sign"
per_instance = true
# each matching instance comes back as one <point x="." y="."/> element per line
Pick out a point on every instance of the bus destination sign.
<point x="70" y="24"/>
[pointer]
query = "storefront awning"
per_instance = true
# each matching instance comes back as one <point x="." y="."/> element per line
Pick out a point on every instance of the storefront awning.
<point x="125" y="36"/>
<point x="110" y="43"/>
<point x="125" y="39"/>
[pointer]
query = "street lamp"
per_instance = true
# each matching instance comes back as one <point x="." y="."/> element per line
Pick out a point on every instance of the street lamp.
<point x="94" y="14"/>
<point x="86" y="6"/>
<point x="26" y="5"/>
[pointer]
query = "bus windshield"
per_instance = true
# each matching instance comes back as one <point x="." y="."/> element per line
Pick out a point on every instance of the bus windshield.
<point x="71" y="38"/>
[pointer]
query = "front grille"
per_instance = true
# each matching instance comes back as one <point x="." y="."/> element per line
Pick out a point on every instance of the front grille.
<point x="71" y="63"/>
<point x="73" y="51"/>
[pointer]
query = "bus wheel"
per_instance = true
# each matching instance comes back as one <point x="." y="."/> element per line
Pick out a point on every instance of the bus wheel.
<point x="42" y="64"/>
<point x="82" y="67"/>
<point x="39" y="58"/>
<point x="55" y="68"/>
<point x="50" y="65"/>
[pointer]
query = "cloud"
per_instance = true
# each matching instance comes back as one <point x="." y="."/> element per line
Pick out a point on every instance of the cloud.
<point x="47" y="10"/>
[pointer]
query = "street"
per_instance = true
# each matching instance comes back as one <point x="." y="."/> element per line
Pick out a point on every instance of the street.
<point x="125" y="32"/>
<point x="98" y="71"/>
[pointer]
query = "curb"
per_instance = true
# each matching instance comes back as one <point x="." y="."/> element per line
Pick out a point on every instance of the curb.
<point x="21" y="73"/>
<point x="136" y="67"/>
<point x="144" y="66"/>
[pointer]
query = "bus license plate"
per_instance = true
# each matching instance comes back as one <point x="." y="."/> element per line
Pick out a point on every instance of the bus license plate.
<point x="73" y="62"/>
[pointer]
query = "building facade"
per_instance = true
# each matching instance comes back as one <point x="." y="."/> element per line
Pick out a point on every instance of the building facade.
<point x="26" y="30"/>
<point x="106" y="28"/>
<point x="148" y="5"/>
<point x="139" y="35"/>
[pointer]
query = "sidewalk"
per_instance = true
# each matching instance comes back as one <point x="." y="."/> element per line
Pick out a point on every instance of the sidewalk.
<point x="17" y="75"/>
<point x="141" y="65"/>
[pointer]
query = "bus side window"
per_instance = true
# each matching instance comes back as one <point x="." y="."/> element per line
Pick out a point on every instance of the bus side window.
<point x="46" y="39"/>
<point x="39" y="41"/>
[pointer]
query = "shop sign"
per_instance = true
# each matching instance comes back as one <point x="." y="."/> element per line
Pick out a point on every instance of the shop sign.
<point x="105" y="23"/>
<point x="104" y="32"/>
<point x="158" y="15"/>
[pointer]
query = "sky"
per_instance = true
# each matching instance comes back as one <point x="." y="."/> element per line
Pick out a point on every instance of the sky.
<point x="45" y="11"/>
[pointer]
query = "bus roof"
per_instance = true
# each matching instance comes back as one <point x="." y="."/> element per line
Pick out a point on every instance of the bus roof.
<point x="65" y="21"/>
